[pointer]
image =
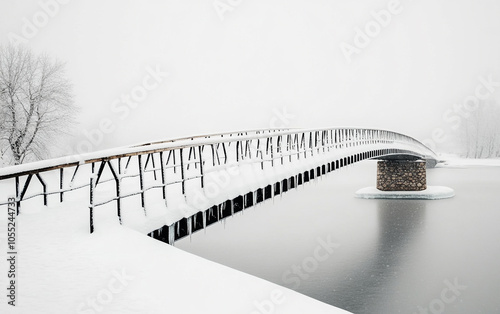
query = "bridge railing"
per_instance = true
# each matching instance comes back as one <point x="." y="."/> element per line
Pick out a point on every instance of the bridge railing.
<point x="172" y="167"/>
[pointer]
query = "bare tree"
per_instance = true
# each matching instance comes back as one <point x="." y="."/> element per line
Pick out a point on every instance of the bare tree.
<point x="481" y="132"/>
<point x="35" y="103"/>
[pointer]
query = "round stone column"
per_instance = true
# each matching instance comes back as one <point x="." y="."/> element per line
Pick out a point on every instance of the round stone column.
<point x="401" y="175"/>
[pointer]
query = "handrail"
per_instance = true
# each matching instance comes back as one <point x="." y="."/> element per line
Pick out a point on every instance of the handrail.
<point x="155" y="147"/>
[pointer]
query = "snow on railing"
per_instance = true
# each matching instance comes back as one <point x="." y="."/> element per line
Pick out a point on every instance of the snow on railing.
<point x="176" y="164"/>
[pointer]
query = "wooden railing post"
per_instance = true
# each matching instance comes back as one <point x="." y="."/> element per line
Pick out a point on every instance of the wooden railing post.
<point x="182" y="173"/>
<point x="202" y="178"/>
<point x="61" y="184"/>
<point x="91" y="203"/>
<point x="141" y="183"/>
<point x="117" y="178"/>
<point x="162" y="169"/>
<point x="44" y="187"/>
<point x="18" y="195"/>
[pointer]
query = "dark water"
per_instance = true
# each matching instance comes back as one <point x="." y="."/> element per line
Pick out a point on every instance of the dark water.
<point x="372" y="256"/>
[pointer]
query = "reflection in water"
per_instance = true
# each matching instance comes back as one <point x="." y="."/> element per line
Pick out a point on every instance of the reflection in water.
<point x="399" y="221"/>
<point x="399" y="224"/>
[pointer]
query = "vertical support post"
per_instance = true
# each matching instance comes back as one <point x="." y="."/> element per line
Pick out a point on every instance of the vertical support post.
<point x="261" y="155"/>
<point x="18" y="196"/>
<point x="173" y="160"/>
<point x="91" y="202"/>
<point x="280" y="147"/>
<point x="303" y="144"/>
<point x="162" y="169"/>
<point x="296" y="145"/>
<point x="225" y="153"/>
<point x="272" y="151"/>
<point x="182" y="173"/>
<point x="237" y="151"/>
<point x="324" y="136"/>
<point x="288" y="147"/>
<point x="317" y="140"/>
<point x="154" y="166"/>
<point x="194" y="153"/>
<point x="213" y="154"/>
<point x="44" y="187"/>
<point x="141" y="182"/>
<point x="247" y="149"/>
<point x="202" y="179"/>
<point x="217" y="153"/>
<point x="118" y="194"/>
<point x="311" y="143"/>
<point x="61" y="183"/>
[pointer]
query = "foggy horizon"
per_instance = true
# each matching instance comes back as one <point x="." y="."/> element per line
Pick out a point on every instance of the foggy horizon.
<point x="237" y="69"/>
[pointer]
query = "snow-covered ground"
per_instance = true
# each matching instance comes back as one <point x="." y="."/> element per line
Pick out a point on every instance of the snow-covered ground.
<point x="455" y="161"/>
<point x="63" y="269"/>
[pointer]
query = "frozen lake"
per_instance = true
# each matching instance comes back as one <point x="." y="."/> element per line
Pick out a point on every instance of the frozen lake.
<point x="372" y="256"/>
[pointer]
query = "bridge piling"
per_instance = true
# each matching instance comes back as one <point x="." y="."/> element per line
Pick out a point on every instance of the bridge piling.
<point x="401" y="175"/>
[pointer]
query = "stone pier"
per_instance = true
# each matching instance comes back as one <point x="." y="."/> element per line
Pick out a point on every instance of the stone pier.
<point x="401" y="175"/>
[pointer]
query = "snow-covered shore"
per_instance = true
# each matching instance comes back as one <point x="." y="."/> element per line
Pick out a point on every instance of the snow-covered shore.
<point x="454" y="161"/>
<point x="64" y="269"/>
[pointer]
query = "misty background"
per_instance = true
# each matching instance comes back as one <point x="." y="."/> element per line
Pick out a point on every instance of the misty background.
<point x="262" y="64"/>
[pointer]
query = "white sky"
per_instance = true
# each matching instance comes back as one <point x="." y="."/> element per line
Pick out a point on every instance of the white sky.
<point x="265" y="56"/>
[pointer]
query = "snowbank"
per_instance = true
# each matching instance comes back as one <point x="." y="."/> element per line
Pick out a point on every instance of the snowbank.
<point x="63" y="269"/>
<point x="454" y="161"/>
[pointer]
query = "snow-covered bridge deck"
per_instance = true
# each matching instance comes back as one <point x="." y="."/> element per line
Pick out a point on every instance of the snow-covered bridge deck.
<point x="176" y="187"/>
